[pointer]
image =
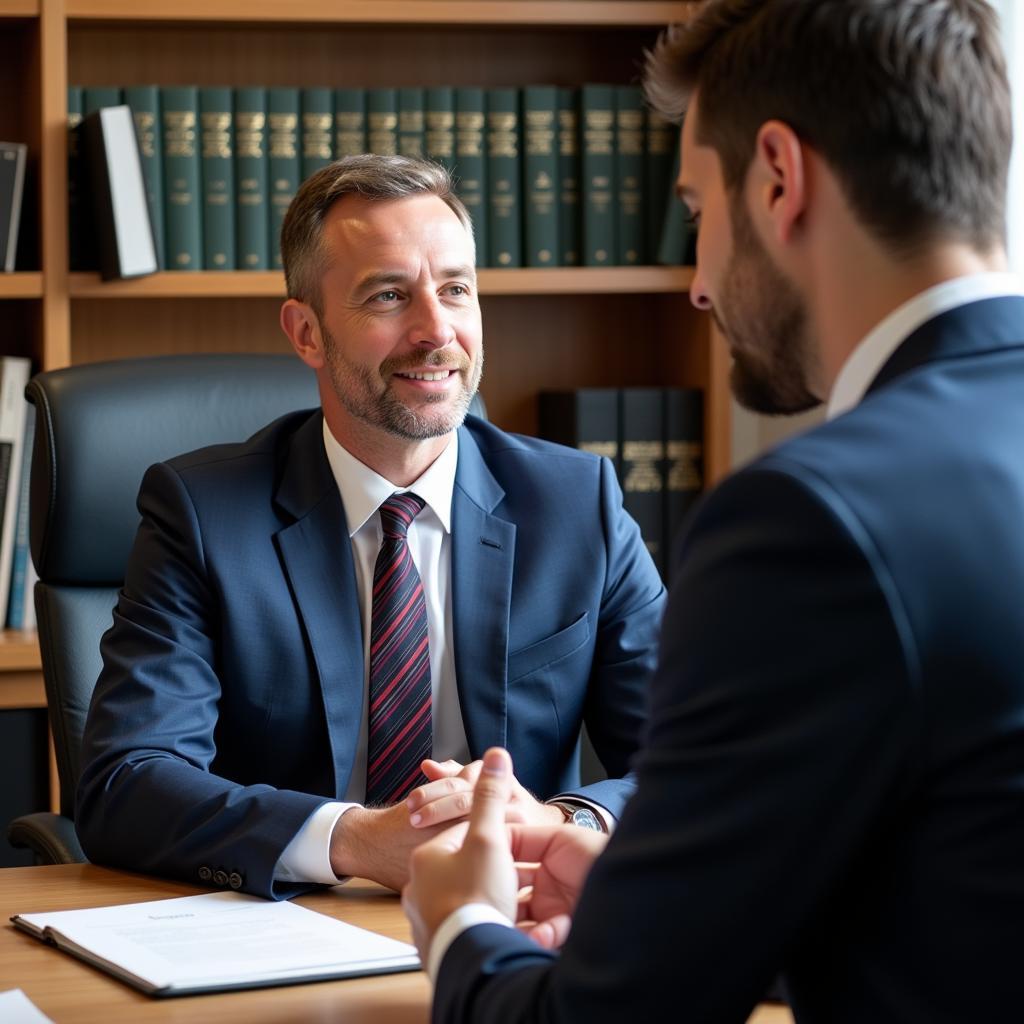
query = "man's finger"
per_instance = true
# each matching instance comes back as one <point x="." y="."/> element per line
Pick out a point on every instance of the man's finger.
<point x="491" y="794"/>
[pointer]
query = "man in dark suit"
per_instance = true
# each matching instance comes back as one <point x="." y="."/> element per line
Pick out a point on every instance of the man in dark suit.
<point x="322" y="626"/>
<point x="832" y="781"/>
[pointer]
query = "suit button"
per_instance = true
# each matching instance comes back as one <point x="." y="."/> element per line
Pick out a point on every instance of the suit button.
<point x="220" y="877"/>
<point x="235" y="880"/>
<point x="205" y="874"/>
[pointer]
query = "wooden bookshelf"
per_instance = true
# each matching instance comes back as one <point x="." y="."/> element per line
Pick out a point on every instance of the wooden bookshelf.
<point x="586" y="327"/>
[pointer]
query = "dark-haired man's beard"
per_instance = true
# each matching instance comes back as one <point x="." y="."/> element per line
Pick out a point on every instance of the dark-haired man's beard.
<point x="764" y="319"/>
<point x="367" y="394"/>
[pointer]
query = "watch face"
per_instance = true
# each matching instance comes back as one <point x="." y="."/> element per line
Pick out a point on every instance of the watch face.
<point x="585" y="818"/>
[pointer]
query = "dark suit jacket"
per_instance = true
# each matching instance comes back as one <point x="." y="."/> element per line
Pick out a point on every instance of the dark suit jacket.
<point x="230" y="700"/>
<point x="832" y="782"/>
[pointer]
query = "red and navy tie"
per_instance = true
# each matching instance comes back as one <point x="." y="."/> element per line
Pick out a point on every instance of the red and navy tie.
<point x="400" y="735"/>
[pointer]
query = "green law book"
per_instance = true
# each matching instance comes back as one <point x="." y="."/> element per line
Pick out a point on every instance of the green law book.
<point x="629" y="175"/>
<point x="145" y="103"/>
<point x="661" y="143"/>
<point x="96" y="96"/>
<point x="217" y="147"/>
<point x="471" y="163"/>
<point x="597" y="114"/>
<point x="183" y="220"/>
<point x="684" y="461"/>
<point x="439" y="126"/>
<point x="540" y="175"/>
<point x="674" y="245"/>
<point x="504" y="172"/>
<point x="252" y="220"/>
<point x="569" y="216"/>
<point x="584" y="418"/>
<point x="642" y="448"/>
<point x="317" y="130"/>
<point x="81" y="255"/>
<point x="283" y="161"/>
<point x="382" y="121"/>
<point x="410" y="122"/>
<point x="350" y="122"/>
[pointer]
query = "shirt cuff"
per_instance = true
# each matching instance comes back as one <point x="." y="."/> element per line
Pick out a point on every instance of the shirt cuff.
<point x="307" y="858"/>
<point x="454" y="925"/>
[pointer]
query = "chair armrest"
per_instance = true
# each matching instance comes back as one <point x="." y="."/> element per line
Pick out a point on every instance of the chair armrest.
<point x="50" y="837"/>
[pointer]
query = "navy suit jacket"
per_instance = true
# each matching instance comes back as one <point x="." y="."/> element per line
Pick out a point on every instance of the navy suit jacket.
<point x="230" y="700"/>
<point x="832" y="779"/>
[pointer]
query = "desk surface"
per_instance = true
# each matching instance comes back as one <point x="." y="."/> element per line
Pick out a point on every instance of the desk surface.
<point x="71" y="992"/>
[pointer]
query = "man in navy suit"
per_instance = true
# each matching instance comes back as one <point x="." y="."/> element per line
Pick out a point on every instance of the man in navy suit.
<point x="275" y="710"/>
<point x="831" y="785"/>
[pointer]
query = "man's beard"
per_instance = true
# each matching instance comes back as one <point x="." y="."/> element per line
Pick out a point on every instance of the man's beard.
<point x="764" y="318"/>
<point x="367" y="394"/>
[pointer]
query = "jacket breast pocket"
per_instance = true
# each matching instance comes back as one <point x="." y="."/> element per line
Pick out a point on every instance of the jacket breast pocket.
<point x="549" y="650"/>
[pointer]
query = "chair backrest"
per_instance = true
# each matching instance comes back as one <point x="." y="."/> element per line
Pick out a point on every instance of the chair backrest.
<point x="98" y="428"/>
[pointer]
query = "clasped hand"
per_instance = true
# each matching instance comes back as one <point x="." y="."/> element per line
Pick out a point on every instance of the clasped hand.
<point x="531" y="874"/>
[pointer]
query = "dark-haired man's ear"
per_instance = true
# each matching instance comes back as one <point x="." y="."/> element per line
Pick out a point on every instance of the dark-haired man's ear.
<point x="780" y="182"/>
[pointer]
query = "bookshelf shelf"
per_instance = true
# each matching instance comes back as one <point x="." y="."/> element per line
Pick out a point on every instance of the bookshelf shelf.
<point x="270" y="284"/>
<point x="590" y="13"/>
<point x="19" y="8"/>
<point x="21" y="285"/>
<point x="19" y="650"/>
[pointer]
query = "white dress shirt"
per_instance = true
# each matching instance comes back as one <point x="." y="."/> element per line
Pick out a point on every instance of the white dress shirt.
<point x="855" y="377"/>
<point x="307" y="856"/>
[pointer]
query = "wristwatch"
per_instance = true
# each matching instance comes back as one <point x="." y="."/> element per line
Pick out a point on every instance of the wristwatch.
<point x="577" y="814"/>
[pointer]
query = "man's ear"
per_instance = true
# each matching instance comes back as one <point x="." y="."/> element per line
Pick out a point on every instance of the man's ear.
<point x="779" y="178"/>
<point x="302" y="326"/>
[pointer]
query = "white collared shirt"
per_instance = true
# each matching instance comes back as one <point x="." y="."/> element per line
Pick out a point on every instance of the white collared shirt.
<point x="870" y="355"/>
<point x="307" y="856"/>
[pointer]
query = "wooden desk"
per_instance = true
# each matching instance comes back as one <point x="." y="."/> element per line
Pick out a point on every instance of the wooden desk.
<point x="70" y="992"/>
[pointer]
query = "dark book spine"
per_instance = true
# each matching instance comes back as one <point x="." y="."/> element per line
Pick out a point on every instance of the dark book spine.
<point x="78" y="213"/>
<point x="350" y="122"/>
<point x="97" y="96"/>
<point x="569" y="216"/>
<point x="504" y="169"/>
<point x="439" y="126"/>
<point x="661" y="142"/>
<point x="251" y="216"/>
<point x="179" y="108"/>
<point x="217" y="142"/>
<point x="597" y="113"/>
<point x="471" y="164"/>
<point x="13" y="156"/>
<point x="584" y="418"/>
<point x="145" y="103"/>
<point x="540" y="175"/>
<point x="317" y="130"/>
<point x="641" y="422"/>
<point x="629" y="175"/>
<point x="19" y="595"/>
<point x="410" y="122"/>
<point x="283" y="162"/>
<point x="382" y="121"/>
<point x="684" y="460"/>
<point x="673" y="245"/>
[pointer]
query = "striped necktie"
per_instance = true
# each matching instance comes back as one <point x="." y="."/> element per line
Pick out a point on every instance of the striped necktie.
<point x="399" y="726"/>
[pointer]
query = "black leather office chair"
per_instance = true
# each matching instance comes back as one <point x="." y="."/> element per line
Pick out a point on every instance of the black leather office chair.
<point x="98" y="428"/>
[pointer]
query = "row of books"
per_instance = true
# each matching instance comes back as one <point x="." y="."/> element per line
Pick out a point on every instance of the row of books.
<point x="655" y="439"/>
<point x="17" y="426"/>
<point x="551" y="176"/>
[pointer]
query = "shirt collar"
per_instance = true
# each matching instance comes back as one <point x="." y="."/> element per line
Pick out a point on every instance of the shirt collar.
<point x="872" y="351"/>
<point x="363" y="491"/>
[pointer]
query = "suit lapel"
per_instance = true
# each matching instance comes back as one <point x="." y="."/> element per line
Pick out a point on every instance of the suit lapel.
<point x="483" y="554"/>
<point x="318" y="561"/>
<point x="987" y="325"/>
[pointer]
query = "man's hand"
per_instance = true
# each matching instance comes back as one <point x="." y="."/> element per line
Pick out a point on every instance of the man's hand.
<point x="375" y="843"/>
<point x="470" y="863"/>
<point x="553" y="864"/>
<point x="447" y="797"/>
